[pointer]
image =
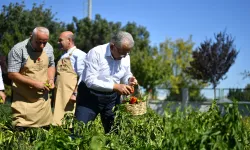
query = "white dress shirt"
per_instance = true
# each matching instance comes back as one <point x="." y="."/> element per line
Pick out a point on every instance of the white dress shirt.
<point x="102" y="71"/>
<point x="1" y="80"/>
<point x="76" y="59"/>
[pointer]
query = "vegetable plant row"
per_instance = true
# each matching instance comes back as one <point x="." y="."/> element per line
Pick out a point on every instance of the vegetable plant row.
<point x="188" y="129"/>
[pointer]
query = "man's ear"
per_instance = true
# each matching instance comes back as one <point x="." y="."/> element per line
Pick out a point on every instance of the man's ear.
<point x="111" y="46"/>
<point x="69" y="39"/>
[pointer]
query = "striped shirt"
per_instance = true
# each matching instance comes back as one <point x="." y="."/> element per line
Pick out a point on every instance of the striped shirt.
<point x="18" y="55"/>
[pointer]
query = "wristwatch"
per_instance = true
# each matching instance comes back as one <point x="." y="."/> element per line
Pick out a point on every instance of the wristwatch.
<point x="74" y="93"/>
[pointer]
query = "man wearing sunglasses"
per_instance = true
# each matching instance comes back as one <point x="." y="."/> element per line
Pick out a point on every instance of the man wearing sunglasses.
<point x="106" y="76"/>
<point x="30" y="66"/>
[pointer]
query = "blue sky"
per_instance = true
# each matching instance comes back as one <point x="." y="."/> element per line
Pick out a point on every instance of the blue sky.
<point x="171" y="19"/>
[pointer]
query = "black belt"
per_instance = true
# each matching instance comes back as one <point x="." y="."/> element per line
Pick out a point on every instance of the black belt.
<point x="103" y="93"/>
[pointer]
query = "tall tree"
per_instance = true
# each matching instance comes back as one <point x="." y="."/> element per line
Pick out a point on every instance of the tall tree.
<point x="177" y="54"/>
<point x="149" y="70"/>
<point x="92" y="33"/>
<point x="17" y="23"/>
<point x="212" y="60"/>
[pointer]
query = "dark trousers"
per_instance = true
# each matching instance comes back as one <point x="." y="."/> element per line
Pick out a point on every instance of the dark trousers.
<point x="90" y="103"/>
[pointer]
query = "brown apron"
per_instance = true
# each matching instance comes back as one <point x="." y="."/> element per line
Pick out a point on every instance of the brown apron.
<point x="30" y="107"/>
<point x="65" y="84"/>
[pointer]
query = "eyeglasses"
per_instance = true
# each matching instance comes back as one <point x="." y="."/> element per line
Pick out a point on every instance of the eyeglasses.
<point x="121" y="53"/>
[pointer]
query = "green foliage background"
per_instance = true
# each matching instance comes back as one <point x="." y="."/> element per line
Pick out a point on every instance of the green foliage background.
<point x="154" y="67"/>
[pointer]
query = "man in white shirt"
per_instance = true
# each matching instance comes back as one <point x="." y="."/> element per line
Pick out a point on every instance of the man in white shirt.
<point x="69" y="69"/>
<point x="106" y="76"/>
<point x="2" y="94"/>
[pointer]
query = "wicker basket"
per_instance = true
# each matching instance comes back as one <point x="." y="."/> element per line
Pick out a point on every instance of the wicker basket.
<point x="137" y="109"/>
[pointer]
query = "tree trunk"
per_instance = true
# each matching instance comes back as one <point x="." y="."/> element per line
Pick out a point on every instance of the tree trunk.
<point x="214" y="87"/>
<point x="214" y="93"/>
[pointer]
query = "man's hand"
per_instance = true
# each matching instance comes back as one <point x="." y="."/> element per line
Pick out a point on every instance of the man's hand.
<point x="52" y="85"/>
<point x="73" y="98"/>
<point x="2" y="96"/>
<point x="123" y="89"/>
<point x="40" y="86"/>
<point x="17" y="77"/>
<point x="132" y="81"/>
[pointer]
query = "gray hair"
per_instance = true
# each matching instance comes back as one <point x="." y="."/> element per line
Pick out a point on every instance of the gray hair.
<point x="72" y="37"/>
<point x="121" y="37"/>
<point x="41" y="29"/>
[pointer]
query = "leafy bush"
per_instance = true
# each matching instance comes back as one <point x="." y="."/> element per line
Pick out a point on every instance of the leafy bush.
<point x="187" y="129"/>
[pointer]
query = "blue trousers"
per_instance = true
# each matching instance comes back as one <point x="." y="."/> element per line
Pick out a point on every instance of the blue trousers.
<point x="90" y="103"/>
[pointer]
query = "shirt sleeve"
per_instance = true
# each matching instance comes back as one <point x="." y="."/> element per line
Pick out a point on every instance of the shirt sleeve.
<point x="91" y="73"/>
<point x="50" y="53"/>
<point x="79" y="65"/>
<point x="127" y="74"/>
<point x="1" y="80"/>
<point x="14" y="60"/>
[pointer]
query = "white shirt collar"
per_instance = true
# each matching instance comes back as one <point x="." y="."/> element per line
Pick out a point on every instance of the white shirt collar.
<point x="71" y="49"/>
<point x="108" y="51"/>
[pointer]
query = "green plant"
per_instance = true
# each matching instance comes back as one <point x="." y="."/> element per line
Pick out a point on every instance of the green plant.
<point x="188" y="129"/>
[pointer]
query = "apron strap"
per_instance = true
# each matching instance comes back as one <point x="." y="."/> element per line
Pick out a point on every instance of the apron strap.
<point x="72" y="52"/>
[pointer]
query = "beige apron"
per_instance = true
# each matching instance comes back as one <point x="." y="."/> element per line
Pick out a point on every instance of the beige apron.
<point x="30" y="107"/>
<point x="65" y="84"/>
